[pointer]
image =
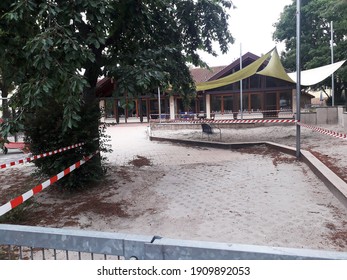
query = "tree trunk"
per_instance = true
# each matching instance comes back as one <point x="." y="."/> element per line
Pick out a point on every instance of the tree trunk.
<point x="4" y="94"/>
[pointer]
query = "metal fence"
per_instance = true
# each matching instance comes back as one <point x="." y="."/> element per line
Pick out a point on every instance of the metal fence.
<point x="27" y="242"/>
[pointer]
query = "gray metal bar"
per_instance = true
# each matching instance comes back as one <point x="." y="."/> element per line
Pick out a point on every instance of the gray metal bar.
<point x="173" y="249"/>
<point x="117" y="244"/>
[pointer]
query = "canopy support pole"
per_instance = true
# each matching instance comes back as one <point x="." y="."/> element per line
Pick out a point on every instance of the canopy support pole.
<point x="298" y="78"/>
<point x="241" y="93"/>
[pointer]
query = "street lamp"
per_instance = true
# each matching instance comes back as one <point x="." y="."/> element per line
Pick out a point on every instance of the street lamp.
<point x="298" y="77"/>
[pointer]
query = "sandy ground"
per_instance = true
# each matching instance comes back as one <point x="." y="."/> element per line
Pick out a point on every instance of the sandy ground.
<point x="332" y="151"/>
<point x="249" y="196"/>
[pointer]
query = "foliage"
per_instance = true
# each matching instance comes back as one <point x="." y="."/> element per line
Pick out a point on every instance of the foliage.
<point x="316" y="16"/>
<point x="60" y="49"/>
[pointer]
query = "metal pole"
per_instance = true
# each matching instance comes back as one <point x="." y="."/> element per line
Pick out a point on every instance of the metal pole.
<point x="159" y="105"/>
<point x="332" y="61"/>
<point x="241" y="90"/>
<point x="298" y="77"/>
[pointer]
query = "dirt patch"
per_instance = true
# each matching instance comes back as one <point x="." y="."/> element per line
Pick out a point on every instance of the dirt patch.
<point x="140" y="161"/>
<point x="337" y="236"/>
<point x="106" y="209"/>
<point x="15" y="182"/>
<point x="124" y="194"/>
<point x="331" y="164"/>
<point x="277" y="156"/>
<point x="124" y="174"/>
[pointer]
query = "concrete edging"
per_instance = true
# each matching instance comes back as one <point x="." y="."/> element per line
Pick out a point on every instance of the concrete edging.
<point x="334" y="183"/>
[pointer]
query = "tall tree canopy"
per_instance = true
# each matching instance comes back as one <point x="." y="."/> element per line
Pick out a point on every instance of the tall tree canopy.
<point x="58" y="49"/>
<point x="316" y="17"/>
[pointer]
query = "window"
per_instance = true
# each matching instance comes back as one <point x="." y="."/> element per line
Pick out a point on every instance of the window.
<point x="216" y="103"/>
<point x="255" y="102"/>
<point x="228" y="104"/>
<point x="285" y="101"/>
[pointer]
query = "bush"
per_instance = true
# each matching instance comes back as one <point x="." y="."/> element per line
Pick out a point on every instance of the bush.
<point x="44" y="132"/>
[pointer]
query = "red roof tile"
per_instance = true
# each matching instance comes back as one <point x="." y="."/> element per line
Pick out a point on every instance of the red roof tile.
<point x="203" y="74"/>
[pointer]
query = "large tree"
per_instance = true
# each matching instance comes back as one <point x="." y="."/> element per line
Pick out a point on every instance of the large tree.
<point x="62" y="47"/>
<point x="316" y="17"/>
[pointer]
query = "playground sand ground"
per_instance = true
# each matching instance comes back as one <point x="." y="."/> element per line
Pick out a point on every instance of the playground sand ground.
<point x="250" y="196"/>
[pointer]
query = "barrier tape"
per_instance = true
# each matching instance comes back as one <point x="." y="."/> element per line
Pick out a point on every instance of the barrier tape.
<point x="325" y="131"/>
<point x="20" y="199"/>
<point x="227" y="112"/>
<point x="249" y="121"/>
<point x="234" y="121"/>
<point x="29" y="159"/>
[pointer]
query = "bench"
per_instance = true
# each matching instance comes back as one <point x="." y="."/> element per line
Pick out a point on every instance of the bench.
<point x="24" y="147"/>
<point x="209" y="130"/>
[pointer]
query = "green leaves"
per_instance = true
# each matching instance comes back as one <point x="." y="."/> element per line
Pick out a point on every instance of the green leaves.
<point x="57" y="50"/>
<point x="315" y="37"/>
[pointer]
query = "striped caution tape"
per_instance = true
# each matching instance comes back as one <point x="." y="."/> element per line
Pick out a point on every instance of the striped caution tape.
<point x="325" y="131"/>
<point x="250" y="121"/>
<point x="29" y="159"/>
<point x="20" y="199"/>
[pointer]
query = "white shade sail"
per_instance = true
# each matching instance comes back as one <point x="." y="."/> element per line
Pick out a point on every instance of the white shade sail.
<point x="316" y="75"/>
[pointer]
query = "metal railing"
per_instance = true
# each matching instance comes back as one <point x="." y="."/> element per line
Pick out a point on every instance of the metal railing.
<point x="27" y="242"/>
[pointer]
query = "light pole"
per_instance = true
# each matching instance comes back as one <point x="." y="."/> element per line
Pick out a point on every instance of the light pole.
<point x="298" y="77"/>
<point x="241" y="90"/>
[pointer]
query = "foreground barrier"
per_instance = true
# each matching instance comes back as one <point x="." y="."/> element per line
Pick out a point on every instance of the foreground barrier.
<point x="59" y="243"/>
<point x="29" y="159"/>
<point x="20" y="199"/>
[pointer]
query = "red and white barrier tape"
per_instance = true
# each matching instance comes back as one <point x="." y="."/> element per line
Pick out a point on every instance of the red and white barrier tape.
<point x="239" y="121"/>
<point x="325" y="131"/>
<point x="20" y="199"/>
<point x="250" y="121"/>
<point x="29" y="159"/>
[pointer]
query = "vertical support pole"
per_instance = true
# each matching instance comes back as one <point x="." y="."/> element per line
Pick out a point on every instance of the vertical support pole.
<point x="332" y="61"/>
<point x="298" y="76"/>
<point x="102" y="106"/>
<point x="116" y="110"/>
<point x="140" y="109"/>
<point x="241" y="90"/>
<point x="172" y="107"/>
<point x="148" y="106"/>
<point x="208" y="106"/>
<point x="159" y="105"/>
<point x="126" y="112"/>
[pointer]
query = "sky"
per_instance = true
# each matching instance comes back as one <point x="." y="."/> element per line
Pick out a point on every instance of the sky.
<point x="251" y="25"/>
